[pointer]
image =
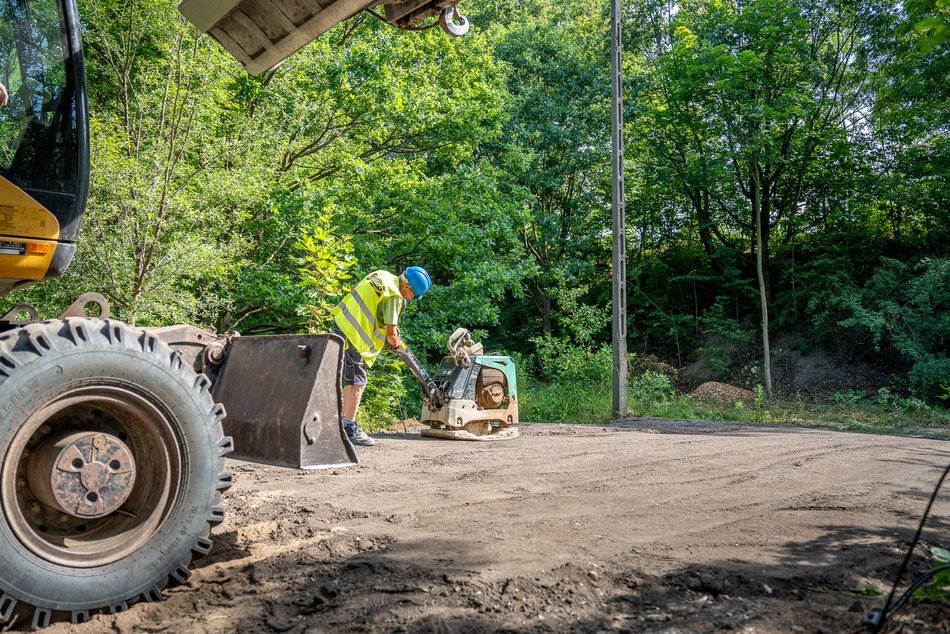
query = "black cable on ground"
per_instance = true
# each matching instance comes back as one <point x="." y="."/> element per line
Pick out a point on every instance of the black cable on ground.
<point x="878" y="617"/>
<point x="919" y="581"/>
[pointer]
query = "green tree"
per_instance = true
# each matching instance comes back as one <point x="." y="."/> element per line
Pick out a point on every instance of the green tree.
<point x="556" y="151"/>
<point x="167" y="185"/>
<point x="758" y="87"/>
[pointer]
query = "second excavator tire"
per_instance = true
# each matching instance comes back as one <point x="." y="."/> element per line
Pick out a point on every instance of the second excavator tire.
<point x="112" y="469"/>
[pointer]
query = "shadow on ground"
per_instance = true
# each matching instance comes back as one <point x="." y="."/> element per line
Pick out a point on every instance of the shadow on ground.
<point x="378" y="585"/>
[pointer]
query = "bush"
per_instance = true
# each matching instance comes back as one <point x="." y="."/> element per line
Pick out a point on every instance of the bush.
<point x="573" y="365"/>
<point x="560" y="403"/>
<point x="901" y="306"/>
<point x="930" y="377"/>
<point x="386" y="398"/>
<point x="849" y="396"/>
<point x="637" y="364"/>
<point x="652" y="387"/>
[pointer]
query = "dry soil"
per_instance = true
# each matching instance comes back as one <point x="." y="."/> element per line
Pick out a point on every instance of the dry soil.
<point x="640" y="526"/>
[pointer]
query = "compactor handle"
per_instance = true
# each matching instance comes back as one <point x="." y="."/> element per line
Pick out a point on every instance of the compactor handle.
<point x="429" y="388"/>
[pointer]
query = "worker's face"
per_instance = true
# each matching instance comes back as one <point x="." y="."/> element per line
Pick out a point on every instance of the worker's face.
<point x="406" y="289"/>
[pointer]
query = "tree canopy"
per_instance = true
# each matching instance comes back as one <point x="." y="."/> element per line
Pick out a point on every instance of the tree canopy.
<point x="253" y="203"/>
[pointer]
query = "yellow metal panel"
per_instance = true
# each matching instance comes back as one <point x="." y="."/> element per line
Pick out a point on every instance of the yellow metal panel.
<point x="22" y="216"/>
<point x="22" y="260"/>
<point x="28" y="235"/>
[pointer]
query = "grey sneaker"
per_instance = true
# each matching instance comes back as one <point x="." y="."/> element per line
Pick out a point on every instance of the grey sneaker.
<point x="356" y="436"/>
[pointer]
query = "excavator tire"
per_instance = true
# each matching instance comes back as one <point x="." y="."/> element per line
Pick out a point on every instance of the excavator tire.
<point x="112" y="469"/>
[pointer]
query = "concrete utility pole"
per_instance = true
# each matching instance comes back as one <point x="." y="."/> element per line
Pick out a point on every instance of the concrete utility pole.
<point x="619" y="231"/>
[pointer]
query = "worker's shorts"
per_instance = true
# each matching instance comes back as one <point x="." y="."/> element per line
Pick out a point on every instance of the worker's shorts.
<point x="354" y="368"/>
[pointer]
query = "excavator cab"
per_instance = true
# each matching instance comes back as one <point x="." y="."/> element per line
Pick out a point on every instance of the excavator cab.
<point x="44" y="140"/>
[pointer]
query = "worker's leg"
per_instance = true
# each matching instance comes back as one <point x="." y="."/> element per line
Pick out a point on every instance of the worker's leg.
<point x="354" y="382"/>
<point x="352" y="394"/>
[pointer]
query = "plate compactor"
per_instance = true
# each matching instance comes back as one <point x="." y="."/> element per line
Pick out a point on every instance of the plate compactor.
<point x="473" y="396"/>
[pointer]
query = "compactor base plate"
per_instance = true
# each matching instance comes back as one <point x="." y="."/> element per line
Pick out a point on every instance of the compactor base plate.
<point x="504" y="433"/>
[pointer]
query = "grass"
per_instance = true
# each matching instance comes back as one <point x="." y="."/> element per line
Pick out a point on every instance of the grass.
<point x="556" y="403"/>
<point x="869" y="418"/>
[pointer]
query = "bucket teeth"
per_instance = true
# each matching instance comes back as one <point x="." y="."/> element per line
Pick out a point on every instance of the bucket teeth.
<point x="202" y="546"/>
<point x="181" y="574"/>
<point x="116" y="608"/>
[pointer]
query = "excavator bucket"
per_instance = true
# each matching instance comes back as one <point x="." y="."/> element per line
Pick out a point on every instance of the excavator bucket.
<point x="283" y="400"/>
<point x="262" y="33"/>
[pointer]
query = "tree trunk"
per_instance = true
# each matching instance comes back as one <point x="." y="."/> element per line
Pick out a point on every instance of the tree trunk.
<point x="756" y="192"/>
<point x="700" y="200"/>
<point x="542" y="302"/>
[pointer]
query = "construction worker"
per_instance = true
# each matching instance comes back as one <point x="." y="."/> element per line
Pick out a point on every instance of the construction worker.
<point x="371" y="309"/>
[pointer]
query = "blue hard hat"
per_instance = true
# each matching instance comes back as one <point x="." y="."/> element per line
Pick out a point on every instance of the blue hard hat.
<point x="418" y="279"/>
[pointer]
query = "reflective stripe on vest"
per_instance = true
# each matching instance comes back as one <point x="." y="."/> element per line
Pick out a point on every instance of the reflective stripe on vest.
<point x="355" y="315"/>
<point x="370" y="314"/>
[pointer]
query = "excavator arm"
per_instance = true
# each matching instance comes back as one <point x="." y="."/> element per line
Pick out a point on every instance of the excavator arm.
<point x="262" y="33"/>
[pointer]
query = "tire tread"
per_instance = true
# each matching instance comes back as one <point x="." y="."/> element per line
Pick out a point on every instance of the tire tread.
<point x="21" y="347"/>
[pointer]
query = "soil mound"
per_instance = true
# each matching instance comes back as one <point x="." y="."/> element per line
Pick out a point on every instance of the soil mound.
<point x="713" y="391"/>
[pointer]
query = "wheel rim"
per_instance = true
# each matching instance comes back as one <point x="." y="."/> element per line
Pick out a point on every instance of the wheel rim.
<point x="122" y="425"/>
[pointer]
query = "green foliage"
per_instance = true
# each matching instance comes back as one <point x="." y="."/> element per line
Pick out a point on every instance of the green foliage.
<point x="651" y="387"/>
<point x="929" y="376"/>
<point x="564" y="403"/>
<point x="934" y="29"/>
<point x="575" y="365"/>
<point x="551" y="156"/>
<point x="901" y="305"/>
<point x="938" y="589"/>
<point x="715" y="320"/>
<point x="327" y="260"/>
<point x="849" y="396"/>
<point x="387" y="394"/>
<point x="169" y="185"/>
<point x="716" y="360"/>
<point x="575" y="386"/>
<point x="251" y="203"/>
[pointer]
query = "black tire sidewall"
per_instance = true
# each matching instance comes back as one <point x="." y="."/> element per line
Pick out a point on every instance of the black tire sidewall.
<point x="153" y="374"/>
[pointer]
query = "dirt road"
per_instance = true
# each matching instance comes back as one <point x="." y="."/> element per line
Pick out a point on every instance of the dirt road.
<point x="645" y="526"/>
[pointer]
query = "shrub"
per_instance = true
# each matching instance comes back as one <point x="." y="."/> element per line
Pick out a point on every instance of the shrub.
<point x="848" y="396"/>
<point x="936" y="590"/>
<point x="576" y="366"/>
<point x="637" y="364"/>
<point x="386" y="398"/>
<point x="652" y="387"/>
<point x="929" y="377"/>
<point x="560" y="403"/>
<point x="905" y="307"/>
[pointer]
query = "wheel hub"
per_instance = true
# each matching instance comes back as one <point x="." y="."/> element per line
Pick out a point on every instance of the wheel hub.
<point x="85" y="475"/>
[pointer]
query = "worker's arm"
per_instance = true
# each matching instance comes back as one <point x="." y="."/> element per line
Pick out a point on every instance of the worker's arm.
<point x="390" y="308"/>
<point x="392" y="335"/>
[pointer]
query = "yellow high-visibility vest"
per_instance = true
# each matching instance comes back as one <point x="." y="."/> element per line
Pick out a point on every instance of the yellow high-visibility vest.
<point x="355" y="315"/>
